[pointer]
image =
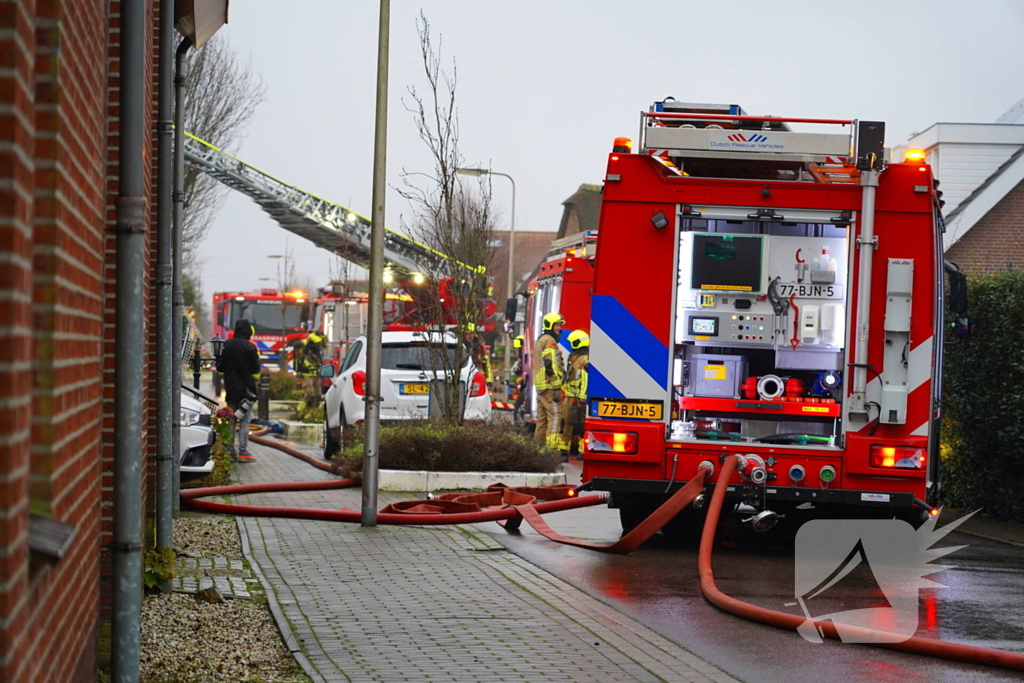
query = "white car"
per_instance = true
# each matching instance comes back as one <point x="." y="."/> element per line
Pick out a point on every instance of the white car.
<point x="197" y="438"/>
<point x="405" y="384"/>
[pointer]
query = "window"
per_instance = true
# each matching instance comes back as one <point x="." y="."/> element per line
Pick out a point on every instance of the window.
<point x="268" y="316"/>
<point x="412" y="357"/>
<point x="352" y="355"/>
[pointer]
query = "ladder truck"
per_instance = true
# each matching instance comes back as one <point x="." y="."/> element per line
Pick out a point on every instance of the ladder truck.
<point x="414" y="303"/>
<point x="771" y="288"/>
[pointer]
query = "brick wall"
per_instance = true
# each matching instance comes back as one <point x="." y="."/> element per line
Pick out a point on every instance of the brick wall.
<point x="996" y="243"/>
<point x="58" y="181"/>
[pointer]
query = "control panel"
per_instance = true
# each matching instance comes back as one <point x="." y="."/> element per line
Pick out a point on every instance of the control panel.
<point x="740" y="328"/>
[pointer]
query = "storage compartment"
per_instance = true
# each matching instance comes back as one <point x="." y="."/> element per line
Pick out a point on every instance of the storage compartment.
<point x="716" y="376"/>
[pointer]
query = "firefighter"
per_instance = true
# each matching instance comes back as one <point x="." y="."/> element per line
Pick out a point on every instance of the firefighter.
<point x="575" y="388"/>
<point x="547" y="379"/>
<point x="309" y="357"/>
<point x="517" y="355"/>
<point x="478" y="352"/>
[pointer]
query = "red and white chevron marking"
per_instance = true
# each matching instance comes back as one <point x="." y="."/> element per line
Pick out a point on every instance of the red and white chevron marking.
<point x="500" y="405"/>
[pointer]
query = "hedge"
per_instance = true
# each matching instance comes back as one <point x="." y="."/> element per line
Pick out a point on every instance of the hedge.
<point x="983" y="402"/>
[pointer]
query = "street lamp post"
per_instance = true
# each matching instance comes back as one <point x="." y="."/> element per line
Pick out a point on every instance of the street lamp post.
<point x="511" y="264"/>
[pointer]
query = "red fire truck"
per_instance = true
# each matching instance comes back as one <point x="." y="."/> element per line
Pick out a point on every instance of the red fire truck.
<point x="279" y="318"/>
<point x="563" y="284"/>
<point x="772" y="293"/>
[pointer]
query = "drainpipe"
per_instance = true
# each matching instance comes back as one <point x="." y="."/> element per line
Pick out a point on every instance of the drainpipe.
<point x="131" y="241"/>
<point x="165" y="384"/>
<point x="178" y="217"/>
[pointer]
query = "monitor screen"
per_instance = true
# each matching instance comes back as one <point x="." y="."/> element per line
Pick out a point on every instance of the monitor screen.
<point x="727" y="263"/>
<point x="704" y="327"/>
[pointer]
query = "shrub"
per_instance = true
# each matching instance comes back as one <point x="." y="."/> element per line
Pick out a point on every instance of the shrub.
<point x="311" y="414"/>
<point x="470" y="448"/>
<point x="983" y="402"/>
<point x="284" y="386"/>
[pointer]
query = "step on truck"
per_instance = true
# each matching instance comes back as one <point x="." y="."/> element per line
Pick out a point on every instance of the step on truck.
<point x="770" y="288"/>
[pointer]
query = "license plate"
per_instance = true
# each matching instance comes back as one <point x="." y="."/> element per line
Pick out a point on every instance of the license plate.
<point x="414" y="388"/>
<point x="635" y="409"/>
<point x="804" y="290"/>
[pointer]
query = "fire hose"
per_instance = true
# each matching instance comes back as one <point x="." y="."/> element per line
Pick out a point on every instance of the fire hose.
<point x="511" y="506"/>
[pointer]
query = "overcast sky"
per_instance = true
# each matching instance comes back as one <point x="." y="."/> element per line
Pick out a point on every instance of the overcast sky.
<point x="545" y="85"/>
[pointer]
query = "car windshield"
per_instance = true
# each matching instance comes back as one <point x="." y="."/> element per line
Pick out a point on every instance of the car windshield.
<point x="414" y="357"/>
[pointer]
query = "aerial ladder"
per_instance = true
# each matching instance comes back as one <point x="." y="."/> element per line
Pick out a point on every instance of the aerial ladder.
<point x="326" y="224"/>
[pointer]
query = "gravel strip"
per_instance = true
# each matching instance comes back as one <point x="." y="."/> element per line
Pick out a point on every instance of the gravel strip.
<point x="205" y="536"/>
<point x="188" y="641"/>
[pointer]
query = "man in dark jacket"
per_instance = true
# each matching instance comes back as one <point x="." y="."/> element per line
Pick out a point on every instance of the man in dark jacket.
<point x="240" y="363"/>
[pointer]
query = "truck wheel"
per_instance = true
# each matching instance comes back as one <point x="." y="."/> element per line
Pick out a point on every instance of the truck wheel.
<point x="685" y="528"/>
<point x="633" y="510"/>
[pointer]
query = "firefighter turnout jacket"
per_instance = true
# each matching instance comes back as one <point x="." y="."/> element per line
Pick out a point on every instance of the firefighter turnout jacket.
<point x="547" y="363"/>
<point x="575" y="385"/>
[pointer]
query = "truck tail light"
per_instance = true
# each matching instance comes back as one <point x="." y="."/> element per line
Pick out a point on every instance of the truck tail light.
<point x="479" y="385"/>
<point x="897" y="457"/>
<point x="611" y="442"/>
<point x="359" y="382"/>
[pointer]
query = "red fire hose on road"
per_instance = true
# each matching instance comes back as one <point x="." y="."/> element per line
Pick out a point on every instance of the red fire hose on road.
<point x="510" y="506"/>
<point x="922" y="646"/>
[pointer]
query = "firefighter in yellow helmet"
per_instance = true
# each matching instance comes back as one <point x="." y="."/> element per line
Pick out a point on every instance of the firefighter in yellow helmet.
<point x="547" y="377"/>
<point x="478" y="351"/>
<point x="575" y="387"/>
<point x="309" y="356"/>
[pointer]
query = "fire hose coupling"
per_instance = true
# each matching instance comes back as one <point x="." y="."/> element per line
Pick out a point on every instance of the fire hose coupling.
<point x="751" y="467"/>
<point x="709" y="466"/>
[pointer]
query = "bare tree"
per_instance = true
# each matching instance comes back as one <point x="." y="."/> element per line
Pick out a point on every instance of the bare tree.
<point x="454" y="220"/>
<point x="221" y="96"/>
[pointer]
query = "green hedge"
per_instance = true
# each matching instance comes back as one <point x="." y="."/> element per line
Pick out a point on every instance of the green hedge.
<point x="983" y="402"/>
<point x="415" y="445"/>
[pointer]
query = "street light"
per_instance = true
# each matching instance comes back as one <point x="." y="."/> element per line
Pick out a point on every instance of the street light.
<point x="476" y="172"/>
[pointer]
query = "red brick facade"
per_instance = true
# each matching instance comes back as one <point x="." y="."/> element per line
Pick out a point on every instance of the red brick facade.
<point x="58" y="181"/>
<point x="996" y="243"/>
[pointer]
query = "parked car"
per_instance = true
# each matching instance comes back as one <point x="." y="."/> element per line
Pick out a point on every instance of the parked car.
<point x="405" y="384"/>
<point x="197" y="439"/>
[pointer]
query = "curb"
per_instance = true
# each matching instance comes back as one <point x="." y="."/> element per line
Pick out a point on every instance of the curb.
<point x="410" y="481"/>
<point x="275" y="609"/>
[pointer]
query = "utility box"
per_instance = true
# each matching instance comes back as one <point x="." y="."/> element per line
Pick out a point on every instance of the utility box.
<point x="717" y="376"/>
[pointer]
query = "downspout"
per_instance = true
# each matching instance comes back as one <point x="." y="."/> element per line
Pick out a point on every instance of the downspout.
<point x="129" y="345"/>
<point x="165" y="384"/>
<point x="178" y="217"/>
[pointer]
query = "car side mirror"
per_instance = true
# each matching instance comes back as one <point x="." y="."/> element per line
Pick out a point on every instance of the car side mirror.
<point x="511" y="308"/>
<point x="327" y="371"/>
<point x="959" y="324"/>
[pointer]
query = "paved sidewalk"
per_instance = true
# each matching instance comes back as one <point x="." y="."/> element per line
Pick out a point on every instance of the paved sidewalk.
<point x="396" y="603"/>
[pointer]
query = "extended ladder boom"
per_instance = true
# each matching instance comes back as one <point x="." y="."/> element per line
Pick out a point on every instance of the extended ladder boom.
<point x="324" y="223"/>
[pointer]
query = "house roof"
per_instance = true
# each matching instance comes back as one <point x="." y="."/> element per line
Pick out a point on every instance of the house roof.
<point x="587" y="203"/>
<point x="972" y="209"/>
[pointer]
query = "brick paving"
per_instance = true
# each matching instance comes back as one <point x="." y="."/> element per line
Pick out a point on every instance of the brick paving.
<point x="396" y="604"/>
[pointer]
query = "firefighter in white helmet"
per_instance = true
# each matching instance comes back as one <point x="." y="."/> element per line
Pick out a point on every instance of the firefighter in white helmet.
<point x="575" y="387"/>
<point x="547" y="377"/>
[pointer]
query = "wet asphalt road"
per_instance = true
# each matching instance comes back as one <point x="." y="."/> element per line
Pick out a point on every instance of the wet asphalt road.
<point x="983" y="603"/>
